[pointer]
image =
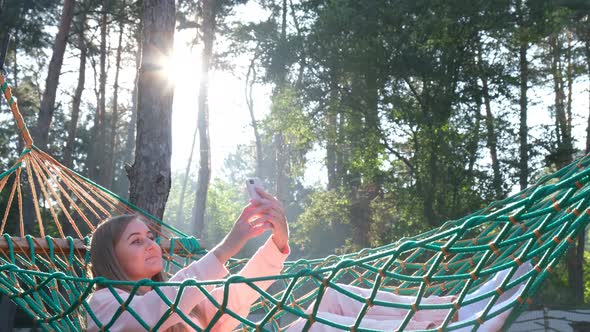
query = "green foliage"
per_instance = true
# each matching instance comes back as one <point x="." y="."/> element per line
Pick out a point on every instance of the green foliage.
<point x="224" y="204"/>
<point x="27" y="20"/>
<point x="225" y="201"/>
<point x="394" y="216"/>
<point x="324" y="224"/>
<point x="171" y="212"/>
<point x="288" y="118"/>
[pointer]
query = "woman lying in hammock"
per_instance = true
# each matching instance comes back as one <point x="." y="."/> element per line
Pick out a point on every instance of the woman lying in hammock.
<point x="123" y="248"/>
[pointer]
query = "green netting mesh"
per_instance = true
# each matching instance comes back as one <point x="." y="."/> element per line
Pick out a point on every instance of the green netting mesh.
<point x="47" y="277"/>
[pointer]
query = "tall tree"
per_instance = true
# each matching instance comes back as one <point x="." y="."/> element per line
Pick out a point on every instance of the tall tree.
<point x="111" y="147"/>
<point x="77" y="98"/>
<point x="492" y="138"/>
<point x="249" y="88"/>
<point x="523" y="65"/>
<point x="128" y="150"/>
<point x="210" y="9"/>
<point x="48" y="102"/>
<point x="150" y="174"/>
<point x="96" y="160"/>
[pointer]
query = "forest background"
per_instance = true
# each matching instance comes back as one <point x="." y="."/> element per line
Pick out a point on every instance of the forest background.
<point x="370" y="120"/>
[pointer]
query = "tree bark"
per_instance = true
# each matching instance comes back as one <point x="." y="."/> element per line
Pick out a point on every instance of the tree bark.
<point x="15" y="69"/>
<point x="73" y="128"/>
<point x="250" y="80"/>
<point x="473" y="144"/>
<point x="128" y="151"/>
<point x="204" y="175"/>
<point x="48" y="102"/>
<point x="563" y="155"/>
<point x="332" y="133"/>
<point x="587" y="51"/>
<point x="150" y="177"/>
<point x="282" y="155"/>
<point x="99" y="140"/>
<point x="570" y="85"/>
<point x="492" y="139"/>
<point x="96" y="160"/>
<point x="523" y="102"/>
<point x="112" y="146"/>
<point x="180" y="211"/>
<point x="15" y="41"/>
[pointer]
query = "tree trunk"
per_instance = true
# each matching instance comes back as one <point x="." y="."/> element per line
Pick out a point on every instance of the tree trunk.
<point x="332" y="132"/>
<point x="492" y="139"/>
<point x="130" y="141"/>
<point x="587" y="49"/>
<point x="180" y="211"/>
<point x="302" y="55"/>
<point x="112" y="146"/>
<point x="563" y="155"/>
<point x="149" y="176"/>
<point x="570" y="85"/>
<point x="204" y="175"/>
<point x="341" y="154"/>
<point x="282" y="173"/>
<point x="48" y="102"/>
<point x="282" y="155"/>
<point x="73" y="128"/>
<point x="99" y="140"/>
<point x="372" y="181"/>
<point x="15" y="41"/>
<point x="15" y="69"/>
<point x="473" y="144"/>
<point x="523" y="130"/>
<point x="91" y="158"/>
<point x="250" y="103"/>
<point x="96" y="161"/>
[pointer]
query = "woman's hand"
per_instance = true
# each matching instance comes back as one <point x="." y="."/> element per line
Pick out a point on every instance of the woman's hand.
<point x="276" y="218"/>
<point x="256" y="218"/>
<point x="251" y="223"/>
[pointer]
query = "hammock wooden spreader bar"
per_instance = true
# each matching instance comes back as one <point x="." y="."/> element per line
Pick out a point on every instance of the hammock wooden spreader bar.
<point x="23" y="245"/>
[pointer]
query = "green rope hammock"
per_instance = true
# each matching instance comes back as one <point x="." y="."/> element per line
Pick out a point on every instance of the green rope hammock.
<point x="47" y="276"/>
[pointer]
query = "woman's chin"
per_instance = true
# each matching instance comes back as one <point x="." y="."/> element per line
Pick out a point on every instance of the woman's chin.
<point x="156" y="268"/>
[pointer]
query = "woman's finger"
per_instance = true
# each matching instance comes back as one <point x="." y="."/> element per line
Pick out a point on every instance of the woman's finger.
<point x="259" y="222"/>
<point x="276" y="216"/>
<point x="264" y="195"/>
<point x="251" y="211"/>
<point x="260" y="226"/>
<point x="268" y="206"/>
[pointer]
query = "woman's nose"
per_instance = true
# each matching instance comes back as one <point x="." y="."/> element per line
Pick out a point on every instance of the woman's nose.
<point x="151" y="244"/>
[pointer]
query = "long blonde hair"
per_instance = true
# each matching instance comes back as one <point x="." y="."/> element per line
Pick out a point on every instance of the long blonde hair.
<point x="104" y="262"/>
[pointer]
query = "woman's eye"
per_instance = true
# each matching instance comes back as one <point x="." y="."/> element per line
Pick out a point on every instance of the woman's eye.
<point x="136" y="241"/>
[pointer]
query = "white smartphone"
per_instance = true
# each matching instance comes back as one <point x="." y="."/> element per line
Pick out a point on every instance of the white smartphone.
<point x="251" y="185"/>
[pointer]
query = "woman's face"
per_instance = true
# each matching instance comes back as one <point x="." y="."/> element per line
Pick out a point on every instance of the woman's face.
<point x="139" y="256"/>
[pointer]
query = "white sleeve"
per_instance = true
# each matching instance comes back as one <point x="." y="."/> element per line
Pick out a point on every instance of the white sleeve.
<point x="150" y="307"/>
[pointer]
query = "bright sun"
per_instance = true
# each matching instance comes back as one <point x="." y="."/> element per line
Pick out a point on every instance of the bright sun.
<point x="182" y="68"/>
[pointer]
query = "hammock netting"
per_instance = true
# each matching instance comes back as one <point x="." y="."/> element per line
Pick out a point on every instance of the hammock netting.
<point x="48" y="278"/>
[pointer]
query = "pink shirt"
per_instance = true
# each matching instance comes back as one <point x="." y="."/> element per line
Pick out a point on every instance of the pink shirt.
<point x="268" y="260"/>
